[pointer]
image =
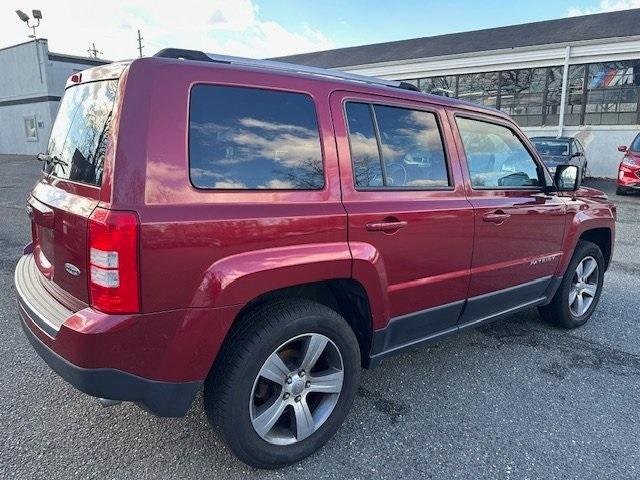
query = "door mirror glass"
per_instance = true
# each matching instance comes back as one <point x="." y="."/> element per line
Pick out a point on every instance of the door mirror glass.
<point x="568" y="178"/>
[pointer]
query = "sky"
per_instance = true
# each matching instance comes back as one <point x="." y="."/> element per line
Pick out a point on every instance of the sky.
<point x="267" y="28"/>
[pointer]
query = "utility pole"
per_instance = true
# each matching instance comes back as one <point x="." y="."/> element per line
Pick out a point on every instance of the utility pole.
<point x="93" y="51"/>
<point x="139" y="43"/>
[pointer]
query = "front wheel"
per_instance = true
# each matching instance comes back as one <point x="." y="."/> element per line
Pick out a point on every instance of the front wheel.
<point x="284" y="383"/>
<point x="578" y="294"/>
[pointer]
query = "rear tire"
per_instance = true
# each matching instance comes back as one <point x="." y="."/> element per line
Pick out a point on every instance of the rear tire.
<point x="578" y="294"/>
<point x="262" y="370"/>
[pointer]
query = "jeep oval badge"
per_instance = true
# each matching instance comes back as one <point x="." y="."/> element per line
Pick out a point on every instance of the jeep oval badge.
<point x="72" y="269"/>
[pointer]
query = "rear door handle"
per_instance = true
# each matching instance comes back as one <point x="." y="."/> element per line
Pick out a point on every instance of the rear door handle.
<point x="386" y="226"/>
<point x="496" y="217"/>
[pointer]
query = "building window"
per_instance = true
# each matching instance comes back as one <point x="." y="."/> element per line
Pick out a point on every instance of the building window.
<point x="575" y="95"/>
<point x="444" y="86"/>
<point x="553" y="96"/>
<point x="522" y="95"/>
<point x="612" y="93"/>
<point x="597" y="94"/>
<point x="479" y="88"/>
<point x="31" y="128"/>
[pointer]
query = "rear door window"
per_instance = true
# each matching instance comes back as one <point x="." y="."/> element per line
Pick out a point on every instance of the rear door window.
<point x="395" y="148"/>
<point x="365" y="157"/>
<point x="250" y="138"/>
<point x="496" y="157"/>
<point x="79" y="135"/>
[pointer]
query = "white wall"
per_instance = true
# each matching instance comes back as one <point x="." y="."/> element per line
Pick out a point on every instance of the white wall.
<point x="20" y="77"/>
<point x="600" y="142"/>
<point x="12" y="131"/>
<point x="19" y="84"/>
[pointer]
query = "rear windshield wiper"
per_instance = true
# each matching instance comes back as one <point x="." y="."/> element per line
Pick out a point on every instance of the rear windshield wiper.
<point x="52" y="160"/>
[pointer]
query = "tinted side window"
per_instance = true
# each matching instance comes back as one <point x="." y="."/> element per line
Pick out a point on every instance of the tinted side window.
<point x="496" y="157"/>
<point x="410" y="145"/>
<point x="249" y="138"/>
<point x="365" y="157"/>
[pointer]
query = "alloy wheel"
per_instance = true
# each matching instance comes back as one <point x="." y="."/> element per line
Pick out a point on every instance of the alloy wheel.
<point x="584" y="286"/>
<point x="297" y="389"/>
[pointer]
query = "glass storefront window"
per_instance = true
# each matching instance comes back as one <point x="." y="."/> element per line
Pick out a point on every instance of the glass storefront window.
<point x="479" y="88"/>
<point x="444" y="86"/>
<point x="612" y="93"/>
<point x="522" y="95"/>
<point x="597" y="94"/>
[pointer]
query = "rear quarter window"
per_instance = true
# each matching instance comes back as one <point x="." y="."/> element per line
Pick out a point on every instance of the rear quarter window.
<point x="250" y="138"/>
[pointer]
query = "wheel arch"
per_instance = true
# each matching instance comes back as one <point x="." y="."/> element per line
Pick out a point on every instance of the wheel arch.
<point x="346" y="296"/>
<point x="603" y="238"/>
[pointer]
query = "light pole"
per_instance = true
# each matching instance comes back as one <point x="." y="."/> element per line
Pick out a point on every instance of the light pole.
<point x="37" y="16"/>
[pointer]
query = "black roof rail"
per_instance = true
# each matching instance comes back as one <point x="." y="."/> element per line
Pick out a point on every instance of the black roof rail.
<point x="274" y="65"/>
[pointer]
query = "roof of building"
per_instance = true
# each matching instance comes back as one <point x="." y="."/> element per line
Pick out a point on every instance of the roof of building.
<point x="63" y="57"/>
<point x="623" y="23"/>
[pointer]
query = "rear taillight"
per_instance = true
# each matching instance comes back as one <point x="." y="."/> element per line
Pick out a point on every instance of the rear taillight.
<point x="113" y="261"/>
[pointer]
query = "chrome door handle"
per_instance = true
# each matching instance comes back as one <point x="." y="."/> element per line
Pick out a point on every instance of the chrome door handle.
<point x="496" y="217"/>
<point x="385" y="226"/>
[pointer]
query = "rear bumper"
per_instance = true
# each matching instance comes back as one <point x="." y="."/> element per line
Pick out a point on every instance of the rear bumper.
<point x="165" y="399"/>
<point x="101" y="354"/>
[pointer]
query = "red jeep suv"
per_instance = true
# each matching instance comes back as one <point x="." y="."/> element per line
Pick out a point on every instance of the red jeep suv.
<point x="261" y="231"/>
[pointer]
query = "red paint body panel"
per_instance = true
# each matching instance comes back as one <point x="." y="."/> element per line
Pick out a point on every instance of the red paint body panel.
<point x="528" y="244"/>
<point x="172" y="346"/>
<point x="629" y="170"/>
<point x="419" y="270"/>
<point x="204" y="254"/>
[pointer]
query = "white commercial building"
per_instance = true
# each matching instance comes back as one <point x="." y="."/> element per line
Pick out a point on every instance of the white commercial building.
<point x="577" y="76"/>
<point x="32" y="81"/>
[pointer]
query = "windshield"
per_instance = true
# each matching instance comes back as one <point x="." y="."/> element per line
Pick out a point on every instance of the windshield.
<point x="551" y="147"/>
<point x="635" y="146"/>
<point x="79" y="135"/>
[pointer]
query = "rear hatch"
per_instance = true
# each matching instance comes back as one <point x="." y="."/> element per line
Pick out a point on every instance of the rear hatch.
<point x="61" y="203"/>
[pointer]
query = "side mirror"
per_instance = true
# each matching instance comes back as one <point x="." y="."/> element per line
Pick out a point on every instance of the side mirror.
<point x="575" y="155"/>
<point x="568" y="178"/>
<point x="622" y="148"/>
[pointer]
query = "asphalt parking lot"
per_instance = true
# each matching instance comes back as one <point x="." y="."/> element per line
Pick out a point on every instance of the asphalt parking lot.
<point x="515" y="399"/>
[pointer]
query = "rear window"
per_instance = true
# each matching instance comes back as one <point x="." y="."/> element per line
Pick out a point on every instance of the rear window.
<point x="249" y="138"/>
<point x="79" y="134"/>
<point x="551" y="147"/>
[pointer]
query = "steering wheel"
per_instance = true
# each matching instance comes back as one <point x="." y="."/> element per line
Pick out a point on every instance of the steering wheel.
<point x="517" y="179"/>
<point x="396" y="174"/>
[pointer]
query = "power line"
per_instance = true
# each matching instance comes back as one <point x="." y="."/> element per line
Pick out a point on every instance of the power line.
<point x="139" y="43"/>
<point x="93" y="51"/>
